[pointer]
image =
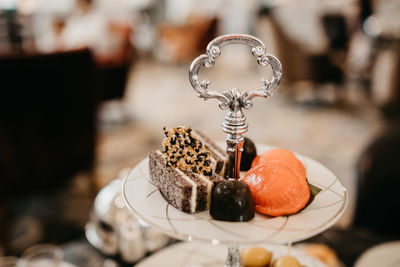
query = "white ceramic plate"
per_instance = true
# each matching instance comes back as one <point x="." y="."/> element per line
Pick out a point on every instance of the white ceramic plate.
<point x="383" y="255"/>
<point x="196" y="254"/>
<point x="145" y="200"/>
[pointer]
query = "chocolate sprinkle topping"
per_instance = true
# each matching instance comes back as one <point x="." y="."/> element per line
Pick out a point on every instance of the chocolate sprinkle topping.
<point x="193" y="155"/>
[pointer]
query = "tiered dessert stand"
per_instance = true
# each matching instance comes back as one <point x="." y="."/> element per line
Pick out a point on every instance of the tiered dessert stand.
<point x="144" y="199"/>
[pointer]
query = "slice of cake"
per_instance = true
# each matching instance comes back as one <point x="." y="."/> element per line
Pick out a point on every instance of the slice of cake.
<point x="185" y="172"/>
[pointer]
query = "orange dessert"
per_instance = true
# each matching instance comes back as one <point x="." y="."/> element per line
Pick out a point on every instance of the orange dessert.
<point x="282" y="155"/>
<point x="277" y="187"/>
<point x="256" y="161"/>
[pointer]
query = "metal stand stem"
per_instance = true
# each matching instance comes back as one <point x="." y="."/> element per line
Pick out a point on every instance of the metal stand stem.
<point x="235" y="123"/>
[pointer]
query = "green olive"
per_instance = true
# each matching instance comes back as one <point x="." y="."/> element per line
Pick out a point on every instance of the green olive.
<point x="286" y="261"/>
<point x="256" y="257"/>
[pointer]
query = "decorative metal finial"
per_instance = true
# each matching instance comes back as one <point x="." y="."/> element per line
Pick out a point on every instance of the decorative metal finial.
<point x="235" y="123"/>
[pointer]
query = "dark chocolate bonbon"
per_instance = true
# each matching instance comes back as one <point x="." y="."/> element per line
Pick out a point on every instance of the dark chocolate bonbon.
<point x="248" y="154"/>
<point x="231" y="200"/>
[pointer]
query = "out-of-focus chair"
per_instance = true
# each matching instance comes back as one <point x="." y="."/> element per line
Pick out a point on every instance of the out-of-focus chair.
<point x="47" y="126"/>
<point x="329" y="67"/>
<point x="319" y="68"/>
<point x="109" y="40"/>
<point x="182" y="43"/>
<point x="385" y="84"/>
<point x="47" y="120"/>
<point x="112" y="69"/>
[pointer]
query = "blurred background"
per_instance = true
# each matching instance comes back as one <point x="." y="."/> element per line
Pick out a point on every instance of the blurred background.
<point x="87" y="85"/>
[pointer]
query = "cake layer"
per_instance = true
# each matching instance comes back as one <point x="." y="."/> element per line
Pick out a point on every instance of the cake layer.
<point x="187" y="191"/>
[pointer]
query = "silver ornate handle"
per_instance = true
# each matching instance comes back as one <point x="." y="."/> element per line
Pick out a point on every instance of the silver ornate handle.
<point x="235" y="122"/>
<point x="207" y="60"/>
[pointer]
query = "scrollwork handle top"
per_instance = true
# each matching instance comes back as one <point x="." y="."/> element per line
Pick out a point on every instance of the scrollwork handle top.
<point x="258" y="47"/>
<point x="207" y="60"/>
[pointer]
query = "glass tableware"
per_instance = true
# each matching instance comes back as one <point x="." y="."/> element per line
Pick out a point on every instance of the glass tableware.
<point x="112" y="229"/>
<point x="43" y="255"/>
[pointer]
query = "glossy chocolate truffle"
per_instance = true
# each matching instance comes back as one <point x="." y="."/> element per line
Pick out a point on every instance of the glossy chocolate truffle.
<point x="231" y="201"/>
<point x="248" y="154"/>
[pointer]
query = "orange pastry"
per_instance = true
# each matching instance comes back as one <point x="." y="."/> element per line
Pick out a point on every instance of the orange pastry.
<point x="277" y="188"/>
<point x="282" y="155"/>
<point x="256" y="161"/>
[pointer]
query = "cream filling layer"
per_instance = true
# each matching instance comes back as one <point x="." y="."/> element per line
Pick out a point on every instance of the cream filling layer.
<point x="209" y="189"/>
<point x="193" y="198"/>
